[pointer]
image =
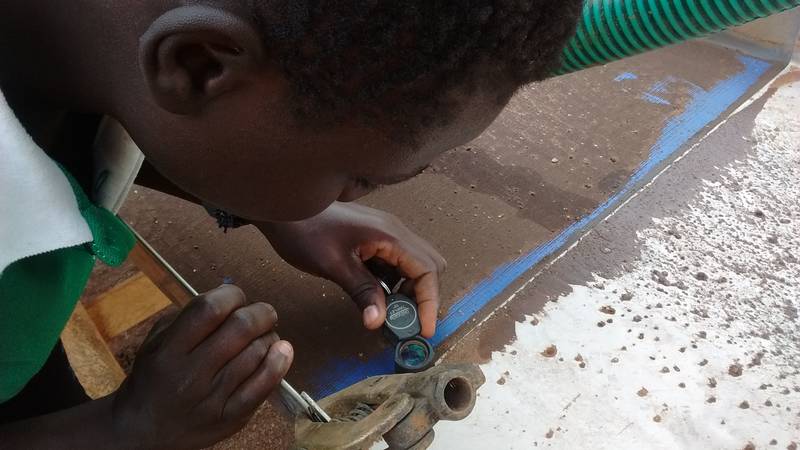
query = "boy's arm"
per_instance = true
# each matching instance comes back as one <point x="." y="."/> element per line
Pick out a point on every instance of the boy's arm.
<point x="198" y="378"/>
<point x="89" y="425"/>
<point x="334" y="245"/>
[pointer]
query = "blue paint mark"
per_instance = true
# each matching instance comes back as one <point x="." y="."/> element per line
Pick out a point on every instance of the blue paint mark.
<point x="626" y="76"/>
<point x="704" y="107"/>
<point x="654" y="99"/>
<point x="661" y="87"/>
<point x="653" y="95"/>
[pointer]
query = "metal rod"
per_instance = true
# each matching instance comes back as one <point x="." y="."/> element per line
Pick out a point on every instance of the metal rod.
<point x="165" y="264"/>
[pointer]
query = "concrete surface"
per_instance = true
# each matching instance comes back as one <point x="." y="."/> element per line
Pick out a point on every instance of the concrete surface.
<point x="563" y="154"/>
<point x="673" y="323"/>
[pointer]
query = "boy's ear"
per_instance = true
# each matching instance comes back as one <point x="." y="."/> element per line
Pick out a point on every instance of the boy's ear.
<point x="193" y="54"/>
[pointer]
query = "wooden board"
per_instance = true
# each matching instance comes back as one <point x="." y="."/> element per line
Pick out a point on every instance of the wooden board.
<point x="93" y="363"/>
<point x="127" y="305"/>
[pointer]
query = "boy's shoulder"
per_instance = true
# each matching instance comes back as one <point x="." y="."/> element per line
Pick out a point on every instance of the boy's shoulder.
<point x="41" y="211"/>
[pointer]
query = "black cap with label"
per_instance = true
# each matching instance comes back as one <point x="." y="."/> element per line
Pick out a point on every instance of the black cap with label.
<point x="402" y="320"/>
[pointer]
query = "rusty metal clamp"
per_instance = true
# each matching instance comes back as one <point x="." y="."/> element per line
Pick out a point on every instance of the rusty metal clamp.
<point x="401" y="409"/>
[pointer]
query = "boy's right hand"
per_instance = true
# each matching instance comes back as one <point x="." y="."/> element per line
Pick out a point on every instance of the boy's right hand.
<point x="200" y="376"/>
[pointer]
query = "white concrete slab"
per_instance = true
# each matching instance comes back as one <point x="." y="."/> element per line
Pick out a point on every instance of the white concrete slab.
<point x="699" y="346"/>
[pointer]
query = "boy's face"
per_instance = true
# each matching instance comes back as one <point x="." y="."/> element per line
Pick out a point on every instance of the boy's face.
<point x="247" y="153"/>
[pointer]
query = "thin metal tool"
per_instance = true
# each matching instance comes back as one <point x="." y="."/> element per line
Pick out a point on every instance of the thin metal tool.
<point x="302" y="400"/>
<point x="314" y="410"/>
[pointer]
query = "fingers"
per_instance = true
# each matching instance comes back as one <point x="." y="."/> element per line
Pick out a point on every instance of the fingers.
<point x="422" y="268"/>
<point x="426" y="290"/>
<point x="354" y="277"/>
<point x="250" y="394"/>
<point x="202" y="316"/>
<point x="241" y="328"/>
<point x="241" y="367"/>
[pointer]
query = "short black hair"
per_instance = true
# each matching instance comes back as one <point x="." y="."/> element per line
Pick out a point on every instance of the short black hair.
<point x="349" y="57"/>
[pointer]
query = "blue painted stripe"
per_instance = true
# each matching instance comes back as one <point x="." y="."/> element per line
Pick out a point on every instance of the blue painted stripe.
<point x="704" y="107"/>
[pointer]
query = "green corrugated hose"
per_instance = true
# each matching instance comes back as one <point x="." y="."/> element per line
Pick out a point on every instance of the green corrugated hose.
<point x="614" y="29"/>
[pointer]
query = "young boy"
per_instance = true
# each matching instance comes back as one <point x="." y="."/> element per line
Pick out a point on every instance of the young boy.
<point x="279" y="112"/>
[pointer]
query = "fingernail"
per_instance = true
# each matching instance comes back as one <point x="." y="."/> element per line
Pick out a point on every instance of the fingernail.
<point x="285" y="350"/>
<point x="370" y="315"/>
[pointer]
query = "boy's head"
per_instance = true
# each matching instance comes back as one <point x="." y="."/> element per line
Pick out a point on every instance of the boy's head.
<point x="304" y="102"/>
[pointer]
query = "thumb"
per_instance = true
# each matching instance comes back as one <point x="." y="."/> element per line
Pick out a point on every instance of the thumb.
<point x="155" y="332"/>
<point x="365" y="291"/>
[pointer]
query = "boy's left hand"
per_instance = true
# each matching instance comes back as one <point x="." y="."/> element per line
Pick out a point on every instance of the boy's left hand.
<point x="335" y="244"/>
